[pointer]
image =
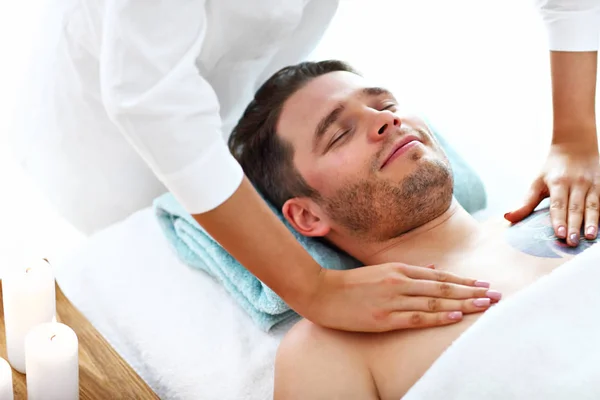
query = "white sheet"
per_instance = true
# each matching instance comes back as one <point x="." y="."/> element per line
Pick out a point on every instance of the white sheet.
<point x="177" y="328"/>
<point x="542" y="343"/>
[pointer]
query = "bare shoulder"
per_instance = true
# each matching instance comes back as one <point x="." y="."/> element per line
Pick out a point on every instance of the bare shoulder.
<point x="318" y="363"/>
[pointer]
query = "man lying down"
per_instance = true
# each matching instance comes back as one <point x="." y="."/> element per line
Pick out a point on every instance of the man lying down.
<point x="345" y="164"/>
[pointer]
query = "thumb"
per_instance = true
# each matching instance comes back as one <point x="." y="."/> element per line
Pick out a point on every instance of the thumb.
<point x="536" y="194"/>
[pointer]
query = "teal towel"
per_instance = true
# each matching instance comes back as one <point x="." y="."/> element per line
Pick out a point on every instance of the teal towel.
<point x="198" y="250"/>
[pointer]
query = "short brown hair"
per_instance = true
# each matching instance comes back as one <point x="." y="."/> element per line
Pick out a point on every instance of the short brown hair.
<point x="267" y="159"/>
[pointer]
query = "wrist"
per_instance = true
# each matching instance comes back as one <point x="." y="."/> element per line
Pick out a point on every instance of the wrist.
<point x="578" y="133"/>
<point x="303" y="296"/>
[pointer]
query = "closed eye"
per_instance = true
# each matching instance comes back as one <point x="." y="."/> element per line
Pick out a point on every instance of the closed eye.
<point x="339" y="137"/>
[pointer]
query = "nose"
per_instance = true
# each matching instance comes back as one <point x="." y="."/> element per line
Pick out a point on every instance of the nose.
<point x="384" y="123"/>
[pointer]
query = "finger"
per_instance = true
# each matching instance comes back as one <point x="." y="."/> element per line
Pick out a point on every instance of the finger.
<point x="575" y="213"/>
<point x="441" y="276"/>
<point x="591" y="214"/>
<point x="537" y="193"/>
<point x="435" y="304"/>
<point x="447" y="290"/>
<point x="559" y="198"/>
<point x="420" y="319"/>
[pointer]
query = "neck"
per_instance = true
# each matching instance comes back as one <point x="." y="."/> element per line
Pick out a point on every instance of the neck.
<point x="436" y="242"/>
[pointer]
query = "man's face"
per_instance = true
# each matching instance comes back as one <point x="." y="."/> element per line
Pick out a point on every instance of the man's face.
<point x="379" y="174"/>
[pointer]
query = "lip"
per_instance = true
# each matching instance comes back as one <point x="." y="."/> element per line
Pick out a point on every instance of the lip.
<point x="398" y="147"/>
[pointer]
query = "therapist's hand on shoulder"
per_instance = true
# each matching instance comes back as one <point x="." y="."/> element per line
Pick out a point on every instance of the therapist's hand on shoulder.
<point x="395" y="296"/>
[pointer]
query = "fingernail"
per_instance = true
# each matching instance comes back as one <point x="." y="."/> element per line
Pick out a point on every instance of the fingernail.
<point x="591" y="231"/>
<point x="482" y="284"/>
<point x="493" y="294"/>
<point x="454" y="315"/>
<point x="562" y="232"/>
<point x="505" y="215"/>
<point x="481" y="302"/>
<point x="574" y="238"/>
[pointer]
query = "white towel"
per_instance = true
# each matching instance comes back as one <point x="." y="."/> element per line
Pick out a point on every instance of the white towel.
<point x="176" y="326"/>
<point x="542" y="343"/>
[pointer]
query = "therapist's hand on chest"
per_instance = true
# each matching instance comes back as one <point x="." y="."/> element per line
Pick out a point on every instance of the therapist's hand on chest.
<point x="571" y="173"/>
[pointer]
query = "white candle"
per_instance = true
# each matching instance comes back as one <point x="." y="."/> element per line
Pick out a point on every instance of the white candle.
<point x="52" y="363"/>
<point x="6" y="386"/>
<point x="29" y="299"/>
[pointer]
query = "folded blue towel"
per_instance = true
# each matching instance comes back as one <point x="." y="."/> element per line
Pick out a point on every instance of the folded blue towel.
<point x="198" y="250"/>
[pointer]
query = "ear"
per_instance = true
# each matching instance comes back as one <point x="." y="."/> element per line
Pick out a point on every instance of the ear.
<point x="305" y="217"/>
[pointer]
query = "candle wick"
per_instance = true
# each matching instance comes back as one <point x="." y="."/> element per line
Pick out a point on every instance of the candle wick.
<point x="52" y="337"/>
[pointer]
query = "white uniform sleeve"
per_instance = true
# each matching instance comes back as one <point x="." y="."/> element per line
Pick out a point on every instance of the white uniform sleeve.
<point x="573" y="25"/>
<point x="155" y="94"/>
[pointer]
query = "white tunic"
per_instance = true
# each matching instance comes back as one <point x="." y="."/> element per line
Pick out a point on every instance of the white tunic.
<point x="129" y="94"/>
<point x="572" y="25"/>
<point x="132" y="96"/>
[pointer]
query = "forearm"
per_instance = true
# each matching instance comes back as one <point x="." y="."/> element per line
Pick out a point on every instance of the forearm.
<point x="246" y="227"/>
<point x="573" y="97"/>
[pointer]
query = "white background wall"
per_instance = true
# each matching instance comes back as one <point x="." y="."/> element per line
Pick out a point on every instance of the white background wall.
<point x="478" y="69"/>
<point x="28" y="225"/>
